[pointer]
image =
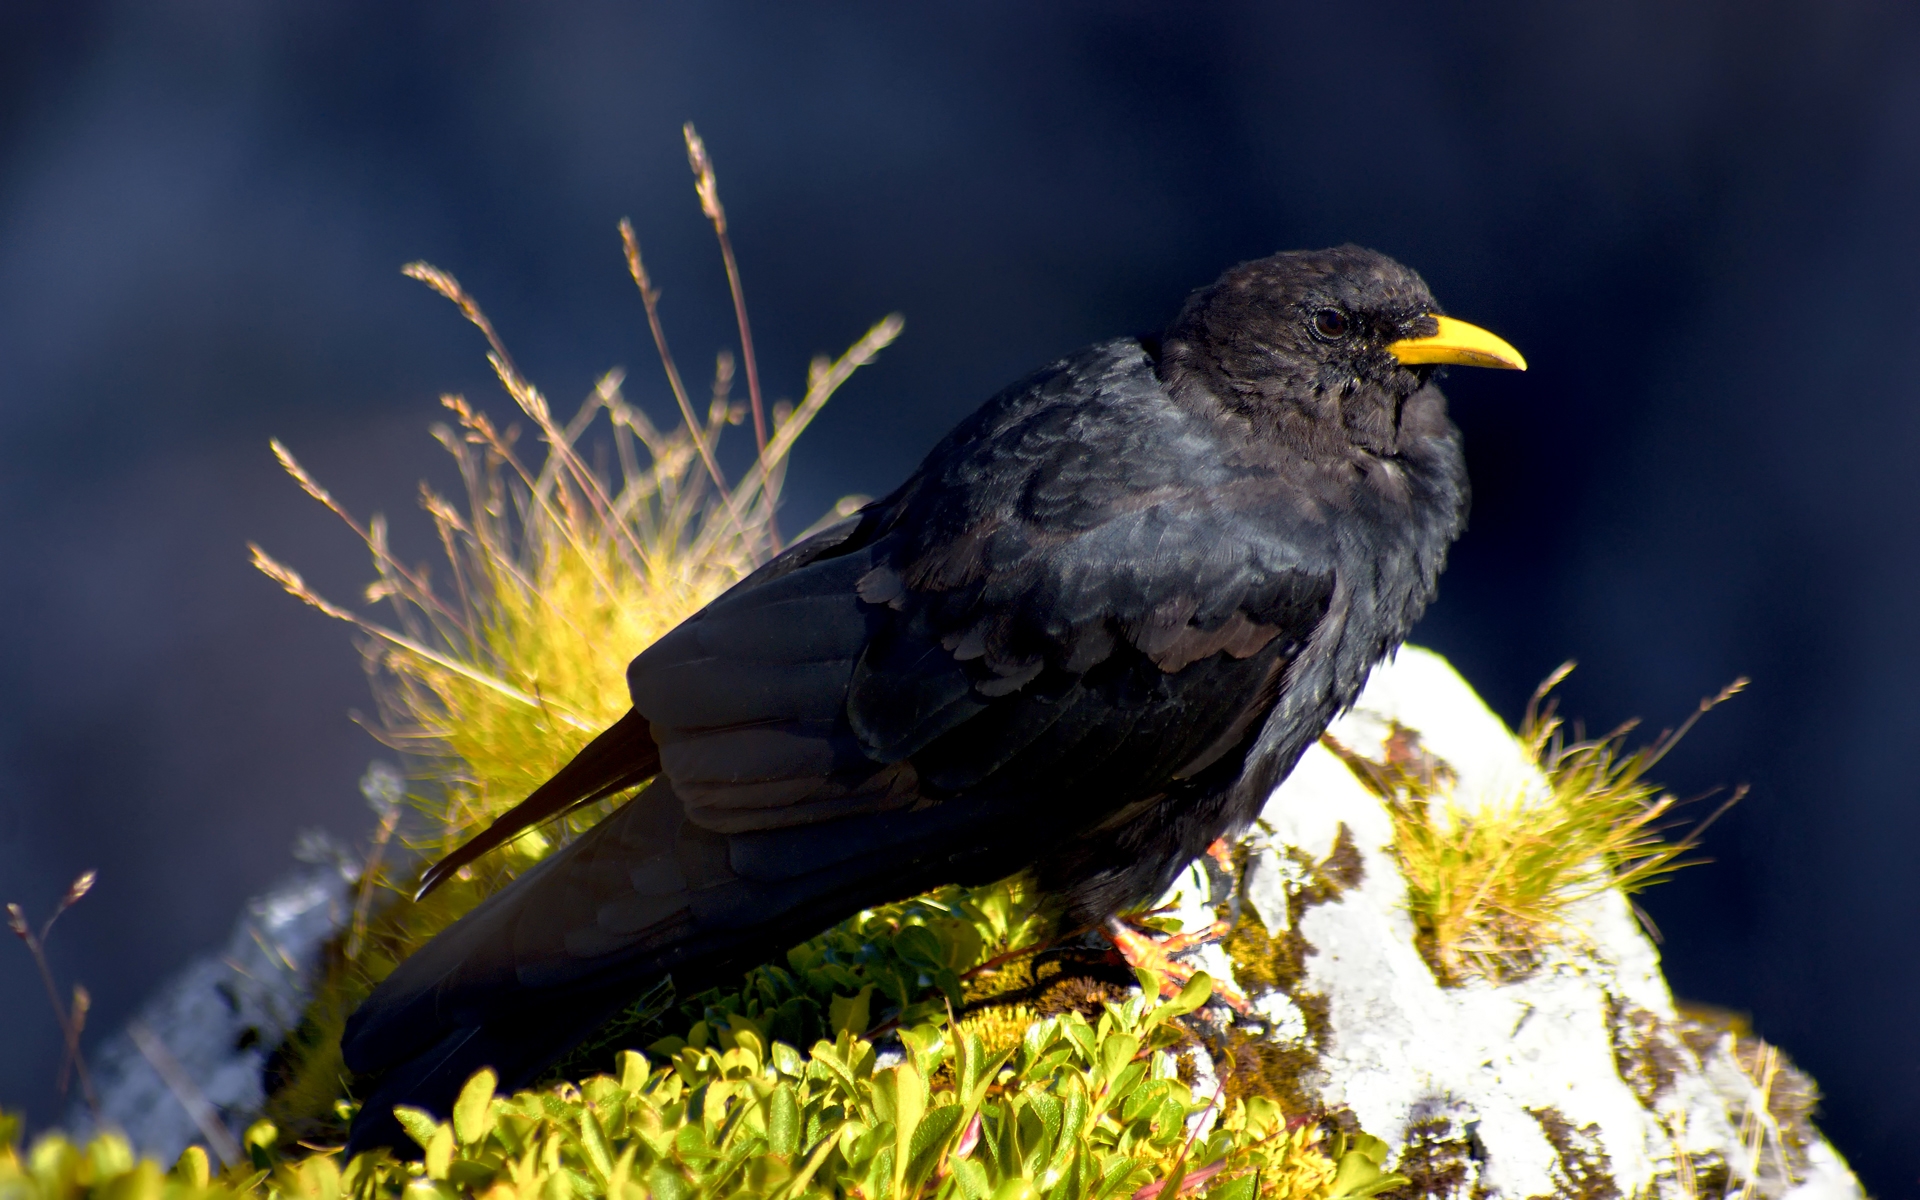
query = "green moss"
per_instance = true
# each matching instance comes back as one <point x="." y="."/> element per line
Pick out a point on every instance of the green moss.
<point x="1582" y="1170"/>
<point x="1262" y="962"/>
<point x="1645" y="1051"/>
<point x="1438" y="1159"/>
<point x="1491" y="884"/>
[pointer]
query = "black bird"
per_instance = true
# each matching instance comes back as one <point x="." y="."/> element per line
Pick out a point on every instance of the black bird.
<point x="1087" y="637"/>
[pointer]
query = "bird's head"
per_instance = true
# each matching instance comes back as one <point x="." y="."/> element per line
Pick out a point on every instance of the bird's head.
<point x="1340" y="337"/>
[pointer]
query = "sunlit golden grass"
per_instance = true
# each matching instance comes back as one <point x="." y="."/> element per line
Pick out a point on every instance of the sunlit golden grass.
<point x="493" y="667"/>
<point x="556" y="576"/>
<point x="1492" y="885"/>
<point x="556" y="573"/>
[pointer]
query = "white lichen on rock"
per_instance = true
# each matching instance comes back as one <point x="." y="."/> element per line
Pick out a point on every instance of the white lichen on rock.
<point x="1580" y="1079"/>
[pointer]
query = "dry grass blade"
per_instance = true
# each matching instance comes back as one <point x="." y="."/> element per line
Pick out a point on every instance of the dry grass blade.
<point x="1491" y="886"/>
<point x="71" y="1020"/>
<point x="709" y="191"/>
<point x="650" y="299"/>
<point x="205" y="1117"/>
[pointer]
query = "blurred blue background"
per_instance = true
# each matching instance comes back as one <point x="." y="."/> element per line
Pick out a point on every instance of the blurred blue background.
<point x="1696" y="219"/>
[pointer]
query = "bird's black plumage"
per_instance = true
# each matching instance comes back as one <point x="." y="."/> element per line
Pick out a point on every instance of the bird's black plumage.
<point x="1088" y="636"/>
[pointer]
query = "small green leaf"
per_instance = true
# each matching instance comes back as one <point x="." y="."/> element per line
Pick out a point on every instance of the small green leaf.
<point x="1359" y="1175"/>
<point x="633" y="1071"/>
<point x="1016" y="1188"/>
<point x="1192" y="996"/>
<point x="972" y="1178"/>
<point x="473" y="1111"/>
<point x="1144" y="1100"/>
<point x="1115" y="1053"/>
<point x="849" y="1014"/>
<point x="787" y="1061"/>
<point x="907" y="1092"/>
<point x="318" y="1178"/>
<point x="439" y="1151"/>
<point x="918" y="945"/>
<point x="193" y="1166"/>
<point x="930" y="1141"/>
<point x="668" y="1184"/>
<point x="418" y="1123"/>
<point x="783" y="1121"/>
<point x="1238" y="1188"/>
<point x="593" y="1140"/>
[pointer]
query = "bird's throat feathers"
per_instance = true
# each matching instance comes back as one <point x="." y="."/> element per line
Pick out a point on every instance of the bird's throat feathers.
<point x="1297" y="346"/>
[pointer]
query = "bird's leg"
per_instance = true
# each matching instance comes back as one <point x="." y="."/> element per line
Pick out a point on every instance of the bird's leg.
<point x="1221" y="854"/>
<point x="1155" y="954"/>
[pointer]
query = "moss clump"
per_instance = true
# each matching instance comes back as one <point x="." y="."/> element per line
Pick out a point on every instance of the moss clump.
<point x="1262" y="962"/>
<point x="1645" y="1052"/>
<point x="1491" y="886"/>
<point x="1439" y="1159"/>
<point x="1582" y="1170"/>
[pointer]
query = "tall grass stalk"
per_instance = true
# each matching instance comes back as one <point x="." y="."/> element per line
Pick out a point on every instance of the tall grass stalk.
<point x="1492" y="886"/>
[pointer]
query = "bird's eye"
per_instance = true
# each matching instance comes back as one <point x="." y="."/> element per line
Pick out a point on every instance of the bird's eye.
<point x="1330" y="323"/>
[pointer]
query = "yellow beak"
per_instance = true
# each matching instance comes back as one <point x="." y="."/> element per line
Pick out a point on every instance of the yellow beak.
<point x="1459" y="343"/>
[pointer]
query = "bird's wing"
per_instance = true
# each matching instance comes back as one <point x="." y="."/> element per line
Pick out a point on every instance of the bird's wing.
<point x="1075" y="560"/>
<point x="621" y="757"/>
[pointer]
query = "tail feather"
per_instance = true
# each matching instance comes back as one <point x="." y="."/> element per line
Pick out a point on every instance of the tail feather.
<point x="645" y="894"/>
<point x="623" y="756"/>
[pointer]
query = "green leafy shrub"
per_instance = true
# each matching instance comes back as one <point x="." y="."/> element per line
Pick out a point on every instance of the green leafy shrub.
<point x="54" y="1168"/>
<point x="1079" y="1110"/>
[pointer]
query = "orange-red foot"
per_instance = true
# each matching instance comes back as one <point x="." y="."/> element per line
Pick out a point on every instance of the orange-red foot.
<point x="1221" y="854"/>
<point x="1155" y="954"/>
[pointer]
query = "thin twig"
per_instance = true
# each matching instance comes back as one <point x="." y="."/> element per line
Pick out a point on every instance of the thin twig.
<point x="651" y="300"/>
<point x="709" y="191"/>
<point x="450" y="287"/>
<point x="37" y="946"/>
<point x="82" y="1003"/>
<point x="825" y="380"/>
<point x="312" y="487"/>
<point x="187" y="1092"/>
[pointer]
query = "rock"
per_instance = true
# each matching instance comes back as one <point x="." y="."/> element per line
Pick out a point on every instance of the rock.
<point x="1581" y="1079"/>
<point x="212" y="1025"/>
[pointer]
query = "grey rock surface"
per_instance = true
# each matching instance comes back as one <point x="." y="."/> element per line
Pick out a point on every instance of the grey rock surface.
<point x="1580" y="1079"/>
<point x="211" y="1026"/>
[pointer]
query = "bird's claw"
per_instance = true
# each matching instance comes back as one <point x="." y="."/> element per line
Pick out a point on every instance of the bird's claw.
<point x="1144" y="952"/>
<point x="1221" y="854"/>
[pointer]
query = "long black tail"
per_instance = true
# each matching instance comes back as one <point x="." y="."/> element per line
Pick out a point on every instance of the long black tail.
<point x="645" y="894"/>
<point x="621" y="757"/>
